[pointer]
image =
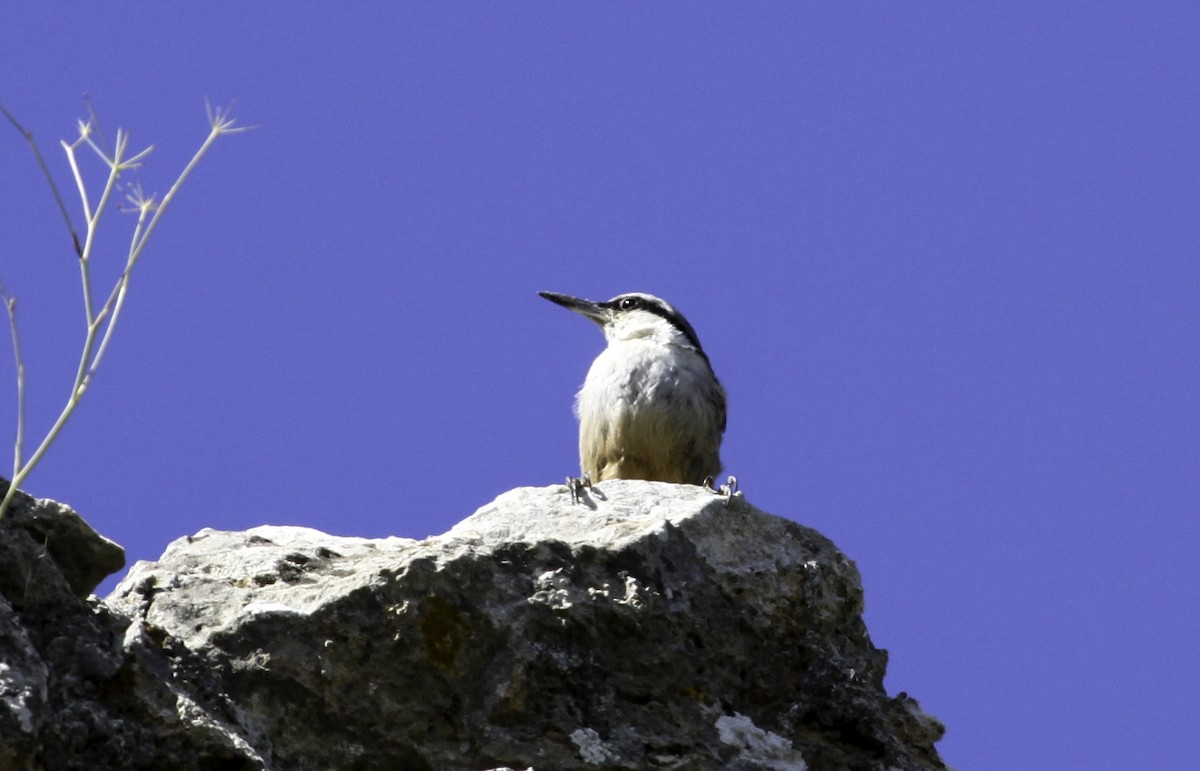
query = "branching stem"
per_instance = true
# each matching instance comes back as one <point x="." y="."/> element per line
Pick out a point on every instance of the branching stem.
<point x="99" y="323"/>
<point x="37" y="153"/>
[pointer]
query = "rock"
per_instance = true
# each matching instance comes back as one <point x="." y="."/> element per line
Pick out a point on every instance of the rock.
<point x="654" y="627"/>
<point x="72" y="695"/>
<point x="44" y="530"/>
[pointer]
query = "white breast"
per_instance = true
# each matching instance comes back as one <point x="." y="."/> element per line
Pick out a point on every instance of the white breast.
<point x="650" y="410"/>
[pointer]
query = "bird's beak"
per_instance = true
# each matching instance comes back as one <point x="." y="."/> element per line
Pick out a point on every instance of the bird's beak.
<point x="592" y="310"/>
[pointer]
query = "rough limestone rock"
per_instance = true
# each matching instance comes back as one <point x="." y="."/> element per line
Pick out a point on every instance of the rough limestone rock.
<point x="72" y="695"/>
<point x="653" y="627"/>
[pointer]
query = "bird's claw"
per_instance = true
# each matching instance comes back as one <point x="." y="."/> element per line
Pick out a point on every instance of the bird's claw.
<point x="577" y="485"/>
<point x="729" y="489"/>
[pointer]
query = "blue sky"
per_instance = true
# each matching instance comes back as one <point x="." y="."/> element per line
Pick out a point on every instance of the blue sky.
<point x="944" y="258"/>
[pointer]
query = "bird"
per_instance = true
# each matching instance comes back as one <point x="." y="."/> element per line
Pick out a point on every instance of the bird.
<point x="650" y="407"/>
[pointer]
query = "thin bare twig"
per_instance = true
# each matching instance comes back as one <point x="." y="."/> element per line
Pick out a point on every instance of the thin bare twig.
<point x="100" y="322"/>
<point x="37" y="153"/>
<point x="10" y="305"/>
<point x="94" y="119"/>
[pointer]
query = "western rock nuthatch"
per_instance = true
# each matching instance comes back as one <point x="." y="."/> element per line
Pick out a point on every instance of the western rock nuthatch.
<point x="650" y="407"/>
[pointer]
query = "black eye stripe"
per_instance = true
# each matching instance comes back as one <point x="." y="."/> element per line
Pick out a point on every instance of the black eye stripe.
<point x="658" y="309"/>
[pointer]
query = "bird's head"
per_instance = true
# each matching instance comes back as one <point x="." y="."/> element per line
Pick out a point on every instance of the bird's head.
<point x="632" y="316"/>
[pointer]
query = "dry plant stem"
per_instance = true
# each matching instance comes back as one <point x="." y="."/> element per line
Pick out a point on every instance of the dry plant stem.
<point x="10" y="305"/>
<point x="37" y="153"/>
<point x="102" y="322"/>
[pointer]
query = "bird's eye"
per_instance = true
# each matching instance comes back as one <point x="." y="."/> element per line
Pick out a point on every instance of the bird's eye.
<point x="629" y="303"/>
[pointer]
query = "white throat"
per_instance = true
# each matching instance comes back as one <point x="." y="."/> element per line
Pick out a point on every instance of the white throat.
<point x="644" y="325"/>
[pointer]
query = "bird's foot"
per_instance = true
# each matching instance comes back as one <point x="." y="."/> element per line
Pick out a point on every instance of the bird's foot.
<point x="577" y="486"/>
<point x="729" y="489"/>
